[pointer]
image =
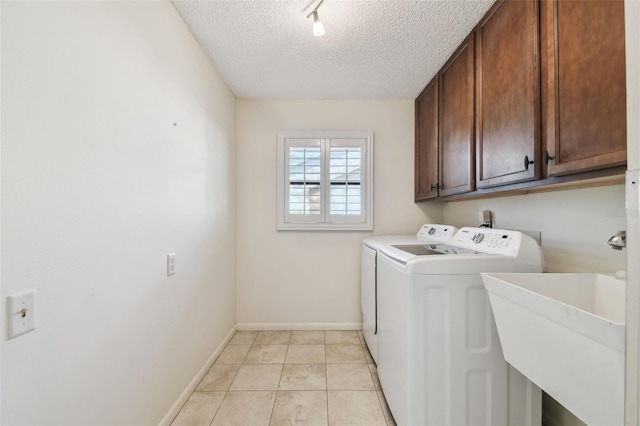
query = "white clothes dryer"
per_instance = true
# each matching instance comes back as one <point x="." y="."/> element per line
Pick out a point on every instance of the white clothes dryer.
<point x="368" y="288"/>
<point x="439" y="357"/>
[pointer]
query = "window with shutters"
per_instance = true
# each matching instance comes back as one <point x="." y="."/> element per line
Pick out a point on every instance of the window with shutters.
<point x="324" y="180"/>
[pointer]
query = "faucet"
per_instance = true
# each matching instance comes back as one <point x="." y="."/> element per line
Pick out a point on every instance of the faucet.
<point x="618" y="240"/>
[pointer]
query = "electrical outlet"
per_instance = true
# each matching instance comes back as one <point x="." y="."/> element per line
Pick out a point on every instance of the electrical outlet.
<point x="171" y="264"/>
<point x="22" y="313"/>
<point x="485" y="218"/>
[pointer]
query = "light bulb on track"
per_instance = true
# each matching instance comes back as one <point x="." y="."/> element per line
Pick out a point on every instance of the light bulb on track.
<point x="318" y="28"/>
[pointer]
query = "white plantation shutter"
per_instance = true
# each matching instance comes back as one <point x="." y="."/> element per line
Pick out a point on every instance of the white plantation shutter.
<point x="304" y="179"/>
<point x="345" y="180"/>
<point x="324" y="180"/>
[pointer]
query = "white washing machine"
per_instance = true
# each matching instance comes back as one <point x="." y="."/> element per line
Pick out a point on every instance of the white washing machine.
<point x="368" y="278"/>
<point x="439" y="357"/>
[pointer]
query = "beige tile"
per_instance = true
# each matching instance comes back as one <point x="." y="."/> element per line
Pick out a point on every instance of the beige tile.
<point x="355" y="408"/>
<point x="257" y="377"/>
<point x="233" y="354"/>
<point x="385" y="410"/>
<point x="266" y="354"/>
<point x="243" y="338"/>
<point x="303" y="377"/>
<point x="305" y="354"/>
<point x="307" y="337"/>
<point x="345" y="354"/>
<point x="273" y="338"/>
<point x="341" y="338"/>
<point x="218" y="378"/>
<point x="300" y="408"/>
<point x="199" y="409"/>
<point x="374" y="375"/>
<point x="349" y="377"/>
<point x="245" y="408"/>
<point x="361" y="337"/>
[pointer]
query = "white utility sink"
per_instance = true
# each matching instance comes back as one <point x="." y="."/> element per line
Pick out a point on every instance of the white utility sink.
<point x="565" y="332"/>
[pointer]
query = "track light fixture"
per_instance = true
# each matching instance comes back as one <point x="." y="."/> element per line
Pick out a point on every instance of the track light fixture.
<point x="318" y="28"/>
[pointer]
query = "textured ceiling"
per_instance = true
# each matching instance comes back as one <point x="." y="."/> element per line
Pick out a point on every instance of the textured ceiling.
<point x="386" y="49"/>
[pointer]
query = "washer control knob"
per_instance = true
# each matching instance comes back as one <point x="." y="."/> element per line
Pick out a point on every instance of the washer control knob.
<point x="478" y="238"/>
<point x="432" y="231"/>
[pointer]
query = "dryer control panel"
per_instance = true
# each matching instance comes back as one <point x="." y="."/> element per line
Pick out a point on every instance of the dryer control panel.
<point x="487" y="240"/>
<point x="431" y="232"/>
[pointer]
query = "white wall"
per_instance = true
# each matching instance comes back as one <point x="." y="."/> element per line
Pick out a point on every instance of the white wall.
<point x="98" y="185"/>
<point x="575" y="224"/>
<point x="632" y="380"/>
<point x="271" y="264"/>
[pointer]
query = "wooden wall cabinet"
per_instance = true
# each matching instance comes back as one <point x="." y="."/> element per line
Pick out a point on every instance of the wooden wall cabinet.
<point x="508" y="94"/>
<point x="583" y="85"/>
<point x="456" y="122"/>
<point x="535" y="96"/>
<point x="426" y="143"/>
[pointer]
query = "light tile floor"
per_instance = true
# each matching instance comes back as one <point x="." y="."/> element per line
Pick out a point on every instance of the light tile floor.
<point x="290" y="378"/>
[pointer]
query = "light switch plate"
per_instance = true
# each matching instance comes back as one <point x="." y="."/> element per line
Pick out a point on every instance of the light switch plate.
<point x="22" y="313"/>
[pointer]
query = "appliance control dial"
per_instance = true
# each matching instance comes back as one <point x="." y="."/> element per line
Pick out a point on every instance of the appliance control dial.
<point x="478" y="238"/>
<point x="432" y="231"/>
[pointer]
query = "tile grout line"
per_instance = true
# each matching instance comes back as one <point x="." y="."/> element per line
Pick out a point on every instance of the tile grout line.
<point x="275" y="399"/>
<point x="219" y="406"/>
<point x="226" y="393"/>
<point x="378" y="392"/>
<point x="326" y="373"/>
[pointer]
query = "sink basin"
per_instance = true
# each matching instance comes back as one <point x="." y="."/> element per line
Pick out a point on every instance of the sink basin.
<point x="565" y="332"/>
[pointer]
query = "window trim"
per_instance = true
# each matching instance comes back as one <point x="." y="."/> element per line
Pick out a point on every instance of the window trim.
<point x="366" y="182"/>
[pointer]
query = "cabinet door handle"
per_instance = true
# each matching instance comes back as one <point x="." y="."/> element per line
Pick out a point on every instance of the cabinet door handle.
<point x="435" y="186"/>
<point x="527" y="162"/>
<point x="547" y="157"/>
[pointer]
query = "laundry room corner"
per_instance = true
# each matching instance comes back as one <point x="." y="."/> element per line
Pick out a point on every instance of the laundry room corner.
<point x="312" y="278"/>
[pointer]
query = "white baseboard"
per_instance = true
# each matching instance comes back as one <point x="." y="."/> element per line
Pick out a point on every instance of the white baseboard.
<point x="175" y="409"/>
<point x="299" y="326"/>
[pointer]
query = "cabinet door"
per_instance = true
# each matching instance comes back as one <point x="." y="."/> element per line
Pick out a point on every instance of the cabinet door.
<point x="507" y="94"/>
<point x="457" y="165"/>
<point x="426" y="149"/>
<point x="584" y="86"/>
